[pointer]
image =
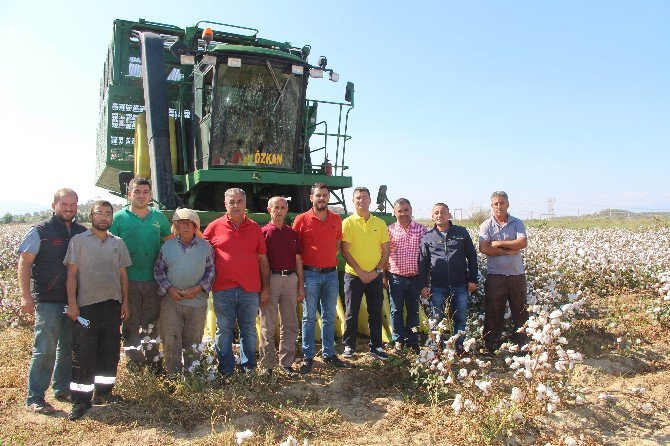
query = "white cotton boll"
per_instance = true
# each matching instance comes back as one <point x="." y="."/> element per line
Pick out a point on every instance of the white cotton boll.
<point x="579" y="400"/>
<point x="484" y="386"/>
<point x="159" y="340"/>
<point x="569" y="441"/>
<point x="527" y="374"/>
<point x="606" y="397"/>
<point x="462" y="373"/>
<point x="457" y="405"/>
<point x="430" y="355"/>
<point x="647" y="408"/>
<point x="551" y="407"/>
<point x="240" y="437"/>
<point x="149" y="347"/>
<point x="146" y="340"/>
<point x="470" y="406"/>
<point x="290" y="441"/>
<point x="449" y="379"/>
<point x="473" y="373"/>
<point x="516" y="395"/>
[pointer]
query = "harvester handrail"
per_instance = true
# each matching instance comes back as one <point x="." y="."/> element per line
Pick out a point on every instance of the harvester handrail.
<point x="229" y="25"/>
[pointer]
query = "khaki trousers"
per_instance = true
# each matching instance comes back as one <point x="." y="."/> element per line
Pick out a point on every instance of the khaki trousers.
<point x="181" y="327"/>
<point x="283" y="295"/>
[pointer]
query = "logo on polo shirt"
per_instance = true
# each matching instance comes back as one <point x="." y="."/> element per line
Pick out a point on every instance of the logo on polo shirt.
<point x="157" y="225"/>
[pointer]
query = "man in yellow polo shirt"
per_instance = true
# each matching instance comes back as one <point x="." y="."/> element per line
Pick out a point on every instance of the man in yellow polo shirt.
<point x="365" y="248"/>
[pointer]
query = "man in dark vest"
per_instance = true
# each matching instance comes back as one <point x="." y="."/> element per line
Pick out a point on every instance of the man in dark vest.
<point x="42" y="280"/>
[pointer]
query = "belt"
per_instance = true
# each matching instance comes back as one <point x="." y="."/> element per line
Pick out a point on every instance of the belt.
<point x="319" y="270"/>
<point x="283" y="272"/>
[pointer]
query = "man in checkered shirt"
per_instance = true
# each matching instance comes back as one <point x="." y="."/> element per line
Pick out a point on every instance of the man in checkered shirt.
<point x="403" y="275"/>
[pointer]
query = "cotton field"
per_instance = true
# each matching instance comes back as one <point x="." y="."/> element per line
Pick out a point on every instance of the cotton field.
<point x="495" y="400"/>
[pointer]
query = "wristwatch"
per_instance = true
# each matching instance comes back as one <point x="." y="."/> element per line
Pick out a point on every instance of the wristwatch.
<point x="378" y="270"/>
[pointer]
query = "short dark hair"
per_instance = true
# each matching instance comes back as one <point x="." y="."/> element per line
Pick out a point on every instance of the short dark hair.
<point x="440" y="204"/>
<point x="316" y="186"/>
<point x="138" y="181"/>
<point x="402" y="201"/>
<point x="60" y="193"/>
<point x="100" y="203"/>
<point x="362" y="189"/>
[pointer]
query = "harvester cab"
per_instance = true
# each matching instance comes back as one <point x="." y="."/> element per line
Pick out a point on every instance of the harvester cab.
<point x="200" y="110"/>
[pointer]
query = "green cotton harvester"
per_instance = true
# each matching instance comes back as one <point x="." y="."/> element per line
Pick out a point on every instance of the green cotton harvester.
<point x="200" y="110"/>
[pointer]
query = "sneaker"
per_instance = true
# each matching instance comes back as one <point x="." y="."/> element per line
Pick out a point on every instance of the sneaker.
<point x="397" y="348"/>
<point x="78" y="410"/>
<point x="41" y="407"/>
<point x="289" y="371"/>
<point x="379" y="353"/>
<point x="334" y="361"/>
<point x="63" y="397"/>
<point x="415" y="348"/>
<point x="348" y="352"/>
<point x="306" y="365"/>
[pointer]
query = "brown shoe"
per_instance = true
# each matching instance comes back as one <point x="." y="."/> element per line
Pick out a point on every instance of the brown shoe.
<point x="41" y="407"/>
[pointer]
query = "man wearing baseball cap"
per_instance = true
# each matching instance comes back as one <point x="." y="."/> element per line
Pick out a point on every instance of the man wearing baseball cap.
<point x="185" y="272"/>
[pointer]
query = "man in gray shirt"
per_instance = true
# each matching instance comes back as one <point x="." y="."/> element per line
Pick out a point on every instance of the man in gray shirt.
<point x="501" y="237"/>
<point x="97" y="290"/>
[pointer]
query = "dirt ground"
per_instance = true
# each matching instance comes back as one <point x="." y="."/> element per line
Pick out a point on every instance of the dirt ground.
<point x="626" y="387"/>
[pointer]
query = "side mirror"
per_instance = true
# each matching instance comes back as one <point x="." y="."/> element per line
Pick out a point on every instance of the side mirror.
<point x="349" y="93"/>
<point x="382" y="198"/>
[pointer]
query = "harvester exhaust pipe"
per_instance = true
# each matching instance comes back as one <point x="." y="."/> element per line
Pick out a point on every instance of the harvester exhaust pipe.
<point x="156" y="105"/>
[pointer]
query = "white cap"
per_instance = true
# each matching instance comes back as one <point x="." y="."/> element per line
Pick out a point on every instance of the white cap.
<point x="187" y="214"/>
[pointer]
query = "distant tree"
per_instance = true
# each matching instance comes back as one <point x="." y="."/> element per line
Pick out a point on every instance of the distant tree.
<point x="7" y="218"/>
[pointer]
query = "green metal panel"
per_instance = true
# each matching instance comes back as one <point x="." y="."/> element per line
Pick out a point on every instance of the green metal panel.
<point x="262" y="177"/>
<point x="258" y="51"/>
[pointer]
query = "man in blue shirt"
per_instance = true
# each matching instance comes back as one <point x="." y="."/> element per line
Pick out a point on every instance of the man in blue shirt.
<point x="501" y="238"/>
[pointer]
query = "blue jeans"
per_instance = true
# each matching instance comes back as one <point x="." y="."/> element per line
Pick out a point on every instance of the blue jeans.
<point x="52" y="352"/>
<point x="320" y="290"/>
<point x="404" y="294"/>
<point x="457" y="298"/>
<point x="230" y="305"/>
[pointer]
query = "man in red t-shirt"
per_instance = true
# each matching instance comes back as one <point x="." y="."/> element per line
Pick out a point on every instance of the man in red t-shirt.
<point x="286" y="289"/>
<point x="319" y="235"/>
<point x="242" y="278"/>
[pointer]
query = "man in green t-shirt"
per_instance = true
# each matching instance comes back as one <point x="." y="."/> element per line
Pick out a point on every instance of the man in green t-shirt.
<point x="142" y="228"/>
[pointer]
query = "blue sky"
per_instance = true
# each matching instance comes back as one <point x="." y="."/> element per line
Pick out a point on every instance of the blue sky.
<point x="569" y="100"/>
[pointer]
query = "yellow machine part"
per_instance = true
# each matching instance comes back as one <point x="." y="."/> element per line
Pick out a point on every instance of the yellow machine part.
<point x="141" y="146"/>
<point x="210" y="325"/>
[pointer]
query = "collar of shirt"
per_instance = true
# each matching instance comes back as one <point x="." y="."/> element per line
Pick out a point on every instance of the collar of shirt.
<point x="312" y="214"/>
<point x="244" y="222"/>
<point x="184" y="245"/>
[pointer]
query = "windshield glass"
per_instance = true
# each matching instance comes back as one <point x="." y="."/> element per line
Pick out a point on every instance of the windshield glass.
<point x="255" y="115"/>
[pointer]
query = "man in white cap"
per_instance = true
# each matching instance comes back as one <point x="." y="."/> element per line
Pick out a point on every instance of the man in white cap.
<point x="184" y="271"/>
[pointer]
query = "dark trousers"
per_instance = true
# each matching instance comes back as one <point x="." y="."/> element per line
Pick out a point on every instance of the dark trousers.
<point x="145" y="310"/>
<point x="354" y="288"/>
<point x="498" y="290"/>
<point x="95" y="350"/>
